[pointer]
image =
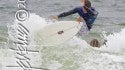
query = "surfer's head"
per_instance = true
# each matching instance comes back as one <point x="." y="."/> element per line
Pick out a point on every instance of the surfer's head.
<point x="86" y="3"/>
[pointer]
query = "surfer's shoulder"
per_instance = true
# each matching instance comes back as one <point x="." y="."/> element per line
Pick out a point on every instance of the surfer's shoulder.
<point x="78" y="8"/>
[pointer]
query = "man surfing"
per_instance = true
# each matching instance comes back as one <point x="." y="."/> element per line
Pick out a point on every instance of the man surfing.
<point x="86" y="12"/>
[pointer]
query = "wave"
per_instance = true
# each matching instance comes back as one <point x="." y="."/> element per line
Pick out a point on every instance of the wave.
<point x="115" y="42"/>
<point x="75" y="54"/>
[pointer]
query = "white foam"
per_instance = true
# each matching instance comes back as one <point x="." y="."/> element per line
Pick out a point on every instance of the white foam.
<point x="35" y="22"/>
<point x="115" y="42"/>
<point x="76" y="41"/>
<point x="54" y="65"/>
<point x="114" y="57"/>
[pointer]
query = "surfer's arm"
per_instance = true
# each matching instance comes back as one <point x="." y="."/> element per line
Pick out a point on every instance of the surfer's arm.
<point x="64" y="14"/>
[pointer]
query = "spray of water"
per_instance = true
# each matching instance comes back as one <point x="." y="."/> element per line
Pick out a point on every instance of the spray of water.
<point x="115" y="42"/>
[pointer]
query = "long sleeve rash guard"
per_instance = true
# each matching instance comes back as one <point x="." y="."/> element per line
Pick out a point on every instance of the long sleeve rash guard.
<point x="89" y="17"/>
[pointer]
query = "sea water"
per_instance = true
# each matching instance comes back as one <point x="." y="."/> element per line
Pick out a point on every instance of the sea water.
<point x="75" y="54"/>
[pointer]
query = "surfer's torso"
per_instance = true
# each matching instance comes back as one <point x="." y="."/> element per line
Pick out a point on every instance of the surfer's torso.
<point x="89" y="17"/>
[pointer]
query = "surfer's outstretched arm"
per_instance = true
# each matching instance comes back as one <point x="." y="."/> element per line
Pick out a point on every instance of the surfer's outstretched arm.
<point x="64" y="14"/>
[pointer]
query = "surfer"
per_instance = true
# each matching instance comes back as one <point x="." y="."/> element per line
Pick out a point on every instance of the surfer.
<point x="86" y="12"/>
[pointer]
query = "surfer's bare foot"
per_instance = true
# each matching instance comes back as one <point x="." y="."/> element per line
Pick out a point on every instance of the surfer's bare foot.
<point x="79" y="19"/>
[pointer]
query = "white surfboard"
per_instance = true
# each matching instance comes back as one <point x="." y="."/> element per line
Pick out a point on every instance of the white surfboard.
<point x="59" y="32"/>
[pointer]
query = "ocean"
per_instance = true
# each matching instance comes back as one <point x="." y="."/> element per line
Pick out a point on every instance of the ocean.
<point x="75" y="54"/>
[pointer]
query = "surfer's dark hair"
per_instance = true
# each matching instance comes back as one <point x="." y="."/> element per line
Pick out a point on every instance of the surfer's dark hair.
<point x="87" y="3"/>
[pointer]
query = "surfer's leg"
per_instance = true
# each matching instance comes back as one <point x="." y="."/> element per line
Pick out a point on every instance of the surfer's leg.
<point x="84" y="30"/>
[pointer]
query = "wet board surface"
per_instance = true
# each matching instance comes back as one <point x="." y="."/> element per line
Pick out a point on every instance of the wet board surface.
<point x="58" y="32"/>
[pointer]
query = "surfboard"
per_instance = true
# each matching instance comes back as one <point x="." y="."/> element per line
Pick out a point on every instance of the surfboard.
<point x="58" y="32"/>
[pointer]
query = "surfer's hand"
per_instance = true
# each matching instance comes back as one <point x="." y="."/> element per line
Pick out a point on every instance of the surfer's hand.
<point x="54" y="17"/>
<point x="79" y="19"/>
